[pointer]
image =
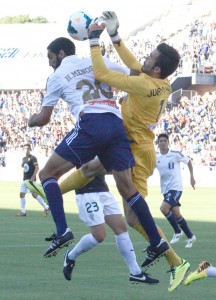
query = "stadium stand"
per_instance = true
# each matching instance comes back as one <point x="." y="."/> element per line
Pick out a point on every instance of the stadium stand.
<point x="190" y="117"/>
<point x="23" y="47"/>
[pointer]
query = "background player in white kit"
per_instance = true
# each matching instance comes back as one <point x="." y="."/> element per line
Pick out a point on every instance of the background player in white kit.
<point x="168" y="165"/>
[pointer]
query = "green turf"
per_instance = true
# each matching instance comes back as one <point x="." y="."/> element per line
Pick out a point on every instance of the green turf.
<point x="99" y="274"/>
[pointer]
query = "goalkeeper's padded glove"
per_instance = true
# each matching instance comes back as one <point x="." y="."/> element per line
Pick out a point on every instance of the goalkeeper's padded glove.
<point x="94" y="32"/>
<point x="112" y="25"/>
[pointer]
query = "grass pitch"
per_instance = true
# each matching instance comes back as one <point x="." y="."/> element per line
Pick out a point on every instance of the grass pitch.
<point x="99" y="274"/>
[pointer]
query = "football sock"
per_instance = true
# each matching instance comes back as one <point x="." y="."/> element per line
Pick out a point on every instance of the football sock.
<point x="86" y="243"/>
<point x="211" y="272"/>
<point x="23" y="205"/>
<point x="139" y="228"/>
<point x="74" y="181"/>
<point x="183" y="224"/>
<point x="172" y="220"/>
<point x="172" y="258"/>
<point x="125" y="247"/>
<point x="41" y="201"/>
<point x="55" y="200"/>
<point x="141" y="209"/>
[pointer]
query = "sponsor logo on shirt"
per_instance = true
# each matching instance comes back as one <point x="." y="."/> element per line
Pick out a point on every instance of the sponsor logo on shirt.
<point x="102" y="102"/>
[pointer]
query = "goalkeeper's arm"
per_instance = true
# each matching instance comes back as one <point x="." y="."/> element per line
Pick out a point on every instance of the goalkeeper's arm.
<point x="109" y="18"/>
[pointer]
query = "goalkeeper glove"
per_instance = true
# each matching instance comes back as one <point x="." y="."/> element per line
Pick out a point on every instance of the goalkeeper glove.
<point x="94" y="32"/>
<point x="112" y="25"/>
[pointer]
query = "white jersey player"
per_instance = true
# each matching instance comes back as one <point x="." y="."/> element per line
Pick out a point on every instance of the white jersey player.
<point x="98" y="206"/>
<point x="74" y="82"/>
<point x="168" y="165"/>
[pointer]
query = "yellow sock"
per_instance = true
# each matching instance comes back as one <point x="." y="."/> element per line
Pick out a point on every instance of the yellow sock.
<point x="74" y="181"/>
<point x="139" y="228"/>
<point x="172" y="258"/>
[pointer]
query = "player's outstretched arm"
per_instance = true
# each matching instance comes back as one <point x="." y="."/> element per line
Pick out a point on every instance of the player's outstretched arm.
<point x="110" y="19"/>
<point x="121" y="81"/>
<point x="42" y="118"/>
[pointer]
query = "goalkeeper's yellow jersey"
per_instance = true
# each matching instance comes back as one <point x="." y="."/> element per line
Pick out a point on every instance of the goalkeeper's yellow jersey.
<point x="142" y="111"/>
<point x="147" y="96"/>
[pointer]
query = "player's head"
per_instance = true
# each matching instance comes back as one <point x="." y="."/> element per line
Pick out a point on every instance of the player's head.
<point x="27" y="148"/>
<point x="163" y="141"/>
<point x="162" y="61"/>
<point x="59" y="49"/>
<point x="163" y="136"/>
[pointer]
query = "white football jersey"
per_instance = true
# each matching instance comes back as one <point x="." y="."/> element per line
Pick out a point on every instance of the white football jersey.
<point x="169" y="169"/>
<point x="74" y="82"/>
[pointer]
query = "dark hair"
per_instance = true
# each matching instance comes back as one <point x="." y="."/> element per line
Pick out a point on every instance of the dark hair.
<point x="27" y="145"/>
<point x="168" y="60"/>
<point x="64" y="44"/>
<point x="163" y="135"/>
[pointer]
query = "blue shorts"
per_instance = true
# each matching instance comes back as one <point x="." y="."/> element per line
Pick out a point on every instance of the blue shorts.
<point x="98" y="134"/>
<point x="172" y="198"/>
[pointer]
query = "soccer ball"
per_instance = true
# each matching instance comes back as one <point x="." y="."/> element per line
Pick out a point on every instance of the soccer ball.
<point x="78" y="24"/>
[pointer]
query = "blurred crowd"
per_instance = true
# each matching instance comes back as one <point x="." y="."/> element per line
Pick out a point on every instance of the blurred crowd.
<point x="15" y="109"/>
<point x="191" y="123"/>
<point x="196" y="44"/>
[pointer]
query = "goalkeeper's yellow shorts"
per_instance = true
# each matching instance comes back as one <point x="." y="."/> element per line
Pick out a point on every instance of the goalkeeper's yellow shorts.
<point x="145" y="160"/>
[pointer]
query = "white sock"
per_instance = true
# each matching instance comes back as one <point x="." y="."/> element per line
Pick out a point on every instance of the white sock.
<point x="211" y="272"/>
<point x="23" y="205"/>
<point x="86" y="243"/>
<point x="42" y="202"/>
<point x="125" y="247"/>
